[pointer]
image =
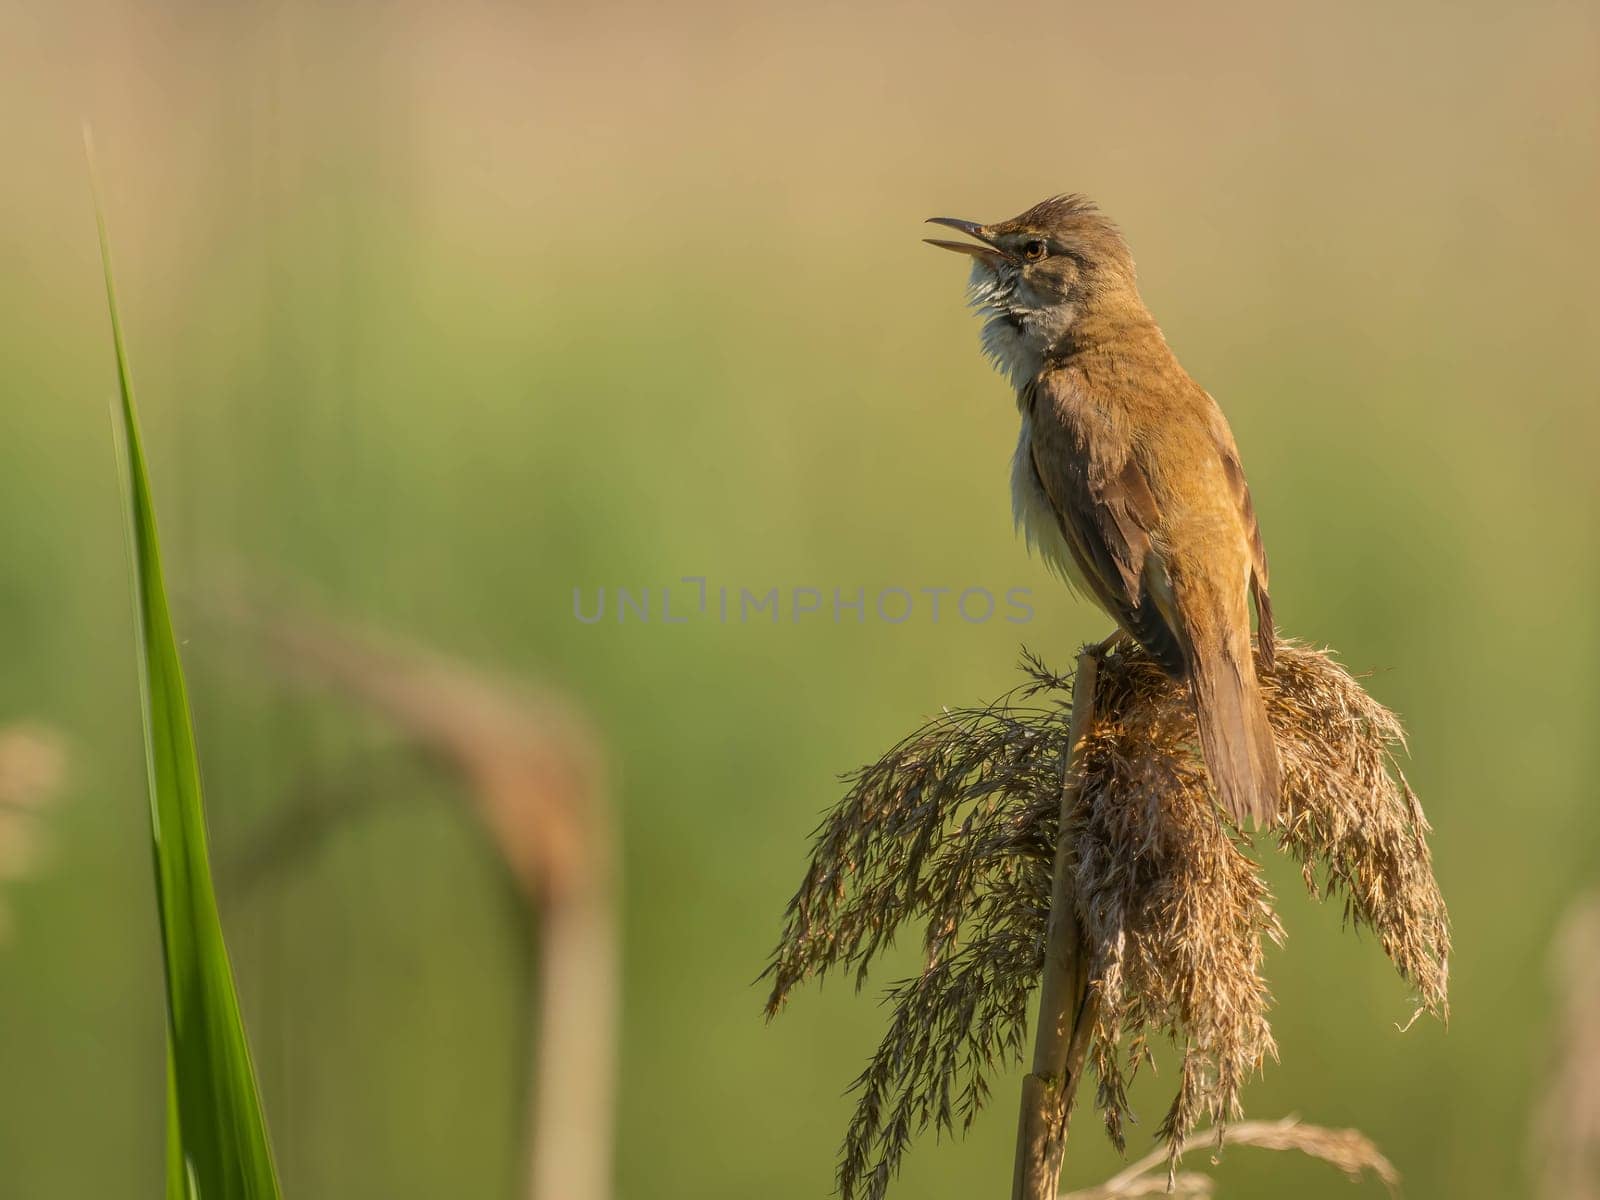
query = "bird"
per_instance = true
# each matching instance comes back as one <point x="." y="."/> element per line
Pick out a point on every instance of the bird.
<point x="1126" y="478"/>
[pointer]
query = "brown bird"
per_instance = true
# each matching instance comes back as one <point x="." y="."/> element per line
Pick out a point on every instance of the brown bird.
<point x="1126" y="475"/>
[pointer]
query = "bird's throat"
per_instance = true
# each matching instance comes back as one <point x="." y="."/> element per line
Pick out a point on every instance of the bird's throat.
<point x="1016" y="351"/>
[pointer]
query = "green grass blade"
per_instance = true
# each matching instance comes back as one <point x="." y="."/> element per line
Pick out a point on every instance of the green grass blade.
<point x="216" y="1134"/>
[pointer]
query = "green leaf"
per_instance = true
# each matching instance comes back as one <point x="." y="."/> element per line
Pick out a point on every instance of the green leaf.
<point x="217" y="1146"/>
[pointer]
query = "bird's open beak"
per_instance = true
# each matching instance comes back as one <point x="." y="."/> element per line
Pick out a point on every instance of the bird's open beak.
<point x="986" y="250"/>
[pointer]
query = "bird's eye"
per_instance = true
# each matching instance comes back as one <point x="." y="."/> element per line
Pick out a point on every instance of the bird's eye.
<point x="1033" y="250"/>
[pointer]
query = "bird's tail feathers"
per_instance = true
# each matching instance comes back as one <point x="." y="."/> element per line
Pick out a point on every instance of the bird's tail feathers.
<point x="1235" y="737"/>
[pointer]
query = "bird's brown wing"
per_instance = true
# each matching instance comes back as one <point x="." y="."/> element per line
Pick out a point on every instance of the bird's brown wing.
<point x="1234" y="469"/>
<point x="1107" y="512"/>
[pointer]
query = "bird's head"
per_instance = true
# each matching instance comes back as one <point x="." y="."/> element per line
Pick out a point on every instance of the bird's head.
<point x="1040" y="276"/>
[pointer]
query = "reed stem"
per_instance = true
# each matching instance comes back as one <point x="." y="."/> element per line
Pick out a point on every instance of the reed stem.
<point x="1061" y="1035"/>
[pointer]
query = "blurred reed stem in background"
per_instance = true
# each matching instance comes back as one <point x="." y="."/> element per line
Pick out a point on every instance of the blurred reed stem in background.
<point x="535" y="781"/>
<point x="1566" y="1130"/>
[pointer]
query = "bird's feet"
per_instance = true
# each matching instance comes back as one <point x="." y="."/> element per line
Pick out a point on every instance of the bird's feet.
<point x="1119" y="638"/>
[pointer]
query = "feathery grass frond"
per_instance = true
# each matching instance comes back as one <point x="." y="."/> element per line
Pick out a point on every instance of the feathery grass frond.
<point x="955" y="829"/>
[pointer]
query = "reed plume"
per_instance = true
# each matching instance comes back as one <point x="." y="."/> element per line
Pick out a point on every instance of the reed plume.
<point x="966" y="826"/>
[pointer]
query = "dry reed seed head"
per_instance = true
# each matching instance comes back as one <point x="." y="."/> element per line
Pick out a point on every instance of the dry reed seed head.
<point x="1349" y="1150"/>
<point x="1172" y="911"/>
<point x="1353" y="817"/>
<point x="955" y="829"/>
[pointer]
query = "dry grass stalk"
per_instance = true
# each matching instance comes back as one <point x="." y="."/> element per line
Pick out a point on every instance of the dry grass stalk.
<point x="955" y="829"/>
<point x="536" y="781"/>
<point x="1567" y="1128"/>
<point x="1182" y="1185"/>
<point x="1347" y="1149"/>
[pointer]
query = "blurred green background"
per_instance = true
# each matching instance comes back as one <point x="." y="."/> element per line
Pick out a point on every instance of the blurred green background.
<point x="447" y="310"/>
